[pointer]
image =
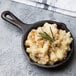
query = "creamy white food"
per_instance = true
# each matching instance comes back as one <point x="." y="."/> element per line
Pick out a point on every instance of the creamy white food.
<point x="43" y="51"/>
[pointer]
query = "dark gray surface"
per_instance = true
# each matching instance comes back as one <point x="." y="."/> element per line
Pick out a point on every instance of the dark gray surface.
<point x="12" y="59"/>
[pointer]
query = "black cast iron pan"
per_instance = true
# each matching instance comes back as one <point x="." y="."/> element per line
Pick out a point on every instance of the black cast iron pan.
<point x="26" y="28"/>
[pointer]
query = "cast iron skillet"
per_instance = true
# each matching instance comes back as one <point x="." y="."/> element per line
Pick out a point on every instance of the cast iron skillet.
<point x="26" y="28"/>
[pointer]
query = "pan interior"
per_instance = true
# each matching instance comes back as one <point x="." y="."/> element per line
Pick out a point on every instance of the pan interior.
<point x="41" y="23"/>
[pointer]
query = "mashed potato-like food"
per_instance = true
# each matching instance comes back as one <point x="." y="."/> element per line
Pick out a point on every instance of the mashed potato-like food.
<point x="42" y="50"/>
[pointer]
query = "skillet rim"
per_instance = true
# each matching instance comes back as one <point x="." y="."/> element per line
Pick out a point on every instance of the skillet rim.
<point x="41" y="65"/>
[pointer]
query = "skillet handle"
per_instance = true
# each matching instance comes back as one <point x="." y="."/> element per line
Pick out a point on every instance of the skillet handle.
<point x="11" y="18"/>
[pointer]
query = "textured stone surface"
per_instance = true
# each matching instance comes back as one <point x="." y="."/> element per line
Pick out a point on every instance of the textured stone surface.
<point x="12" y="59"/>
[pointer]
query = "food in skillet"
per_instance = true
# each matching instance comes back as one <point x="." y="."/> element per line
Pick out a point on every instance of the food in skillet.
<point x="48" y="44"/>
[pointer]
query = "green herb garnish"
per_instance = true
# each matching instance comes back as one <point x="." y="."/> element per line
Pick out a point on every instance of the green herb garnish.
<point x="46" y="36"/>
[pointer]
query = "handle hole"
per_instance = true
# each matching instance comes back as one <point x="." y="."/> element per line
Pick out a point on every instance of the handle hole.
<point x="9" y="17"/>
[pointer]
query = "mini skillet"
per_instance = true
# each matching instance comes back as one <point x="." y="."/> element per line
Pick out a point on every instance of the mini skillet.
<point x="26" y="28"/>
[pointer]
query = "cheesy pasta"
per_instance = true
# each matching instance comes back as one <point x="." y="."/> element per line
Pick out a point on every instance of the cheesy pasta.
<point x="43" y="51"/>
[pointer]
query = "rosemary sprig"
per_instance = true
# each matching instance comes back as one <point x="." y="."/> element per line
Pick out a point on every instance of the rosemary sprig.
<point x="46" y="36"/>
